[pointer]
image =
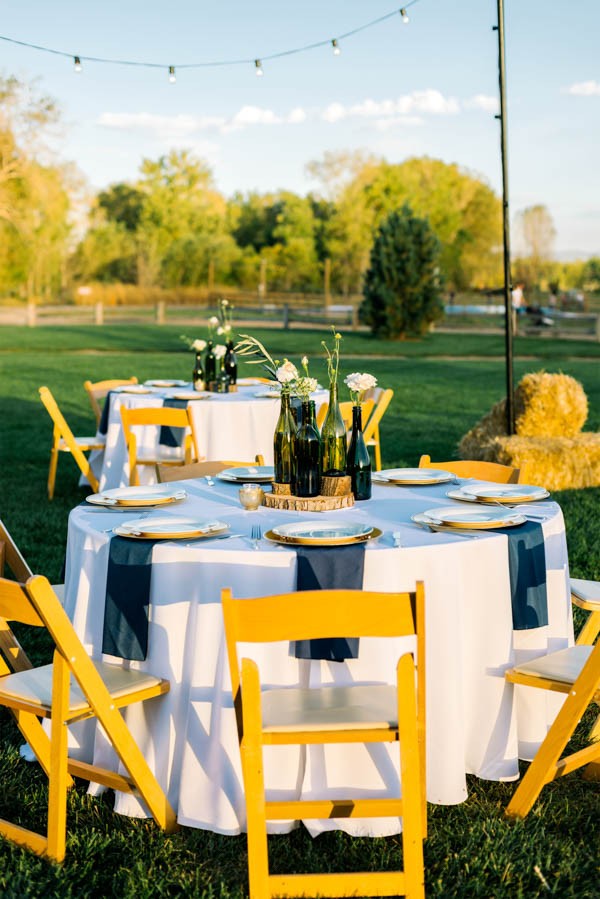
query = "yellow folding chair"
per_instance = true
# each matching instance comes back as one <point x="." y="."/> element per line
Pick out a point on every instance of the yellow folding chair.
<point x="346" y="410"/>
<point x="64" y="441"/>
<point x="350" y="714"/>
<point x="166" y="473"/>
<point x="161" y="416"/>
<point x="575" y="672"/>
<point x="98" y="690"/>
<point x="485" y="471"/>
<point x="381" y="398"/>
<point x="98" y="390"/>
<point x="586" y="595"/>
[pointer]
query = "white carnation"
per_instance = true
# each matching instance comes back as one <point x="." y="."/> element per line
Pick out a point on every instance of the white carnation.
<point x="220" y="351"/>
<point x="286" y="372"/>
<point x="357" y="382"/>
<point x="198" y="345"/>
<point x="220" y="331"/>
<point x="213" y="321"/>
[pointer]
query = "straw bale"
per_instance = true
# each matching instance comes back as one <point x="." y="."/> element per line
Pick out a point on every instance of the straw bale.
<point x="557" y="463"/>
<point x="549" y="405"/>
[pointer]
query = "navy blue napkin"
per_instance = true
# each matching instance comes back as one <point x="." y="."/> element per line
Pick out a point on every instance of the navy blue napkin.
<point x="103" y="425"/>
<point x="172" y="436"/>
<point x="329" y="568"/>
<point x="527" y="565"/>
<point x="125" y="632"/>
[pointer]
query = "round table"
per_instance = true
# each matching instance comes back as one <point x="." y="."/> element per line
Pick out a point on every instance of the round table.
<point x="476" y="723"/>
<point x="228" y="426"/>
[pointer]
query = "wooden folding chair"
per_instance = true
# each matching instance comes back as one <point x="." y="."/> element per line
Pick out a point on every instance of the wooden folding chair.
<point x="98" y="690"/>
<point x="346" y="410"/>
<point x="586" y="595"/>
<point x="576" y="672"/>
<point x="98" y="390"/>
<point x="166" y="473"/>
<point x="382" y="398"/>
<point x="64" y="441"/>
<point x="350" y="714"/>
<point x="485" y="471"/>
<point x="161" y="416"/>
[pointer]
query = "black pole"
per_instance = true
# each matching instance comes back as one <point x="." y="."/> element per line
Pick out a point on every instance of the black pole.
<point x="508" y="331"/>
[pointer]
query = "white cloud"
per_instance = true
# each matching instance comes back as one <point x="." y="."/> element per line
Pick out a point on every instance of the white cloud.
<point x="175" y="128"/>
<point x="482" y="101"/>
<point x="584" y="89"/>
<point x="402" y="110"/>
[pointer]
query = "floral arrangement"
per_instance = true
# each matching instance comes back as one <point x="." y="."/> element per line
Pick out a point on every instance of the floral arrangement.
<point x="305" y="385"/>
<point x="225" y="319"/>
<point x="357" y="384"/>
<point x="284" y="373"/>
<point x="220" y="351"/>
<point x="198" y="345"/>
<point x="213" y="326"/>
<point x="333" y="356"/>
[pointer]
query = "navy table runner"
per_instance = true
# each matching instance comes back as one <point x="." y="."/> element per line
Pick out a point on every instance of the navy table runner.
<point x="172" y="436"/>
<point x="103" y="425"/>
<point x="125" y="632"/>
<point x="527" y="565"/>
<point x="329" y="568"/>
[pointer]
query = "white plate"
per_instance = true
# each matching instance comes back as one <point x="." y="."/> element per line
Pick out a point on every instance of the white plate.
<point x="505" y="493"/>
<point x="133" y="388"/>
<point x="153" y="495"/>
<point x="169" y="528"/>
<point x="190" y="395"/>
<point x="474" y="518"/>
<point x="166" y="383"/>
<point x="414" y="476"/>
<point x="250" y="382"/>
<point x="258" y="474"/>
<point x="321" y="532"/>
<point x="268" y="394"/>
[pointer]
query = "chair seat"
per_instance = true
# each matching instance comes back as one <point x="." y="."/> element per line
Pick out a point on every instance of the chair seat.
<point x="563" y="666"/>
<point x="170" y="456"/>
<point x="330" y="708"/>
<point x="34" y="686"/>
<point x="587" y="590"/>
<point x="84" y="443"/>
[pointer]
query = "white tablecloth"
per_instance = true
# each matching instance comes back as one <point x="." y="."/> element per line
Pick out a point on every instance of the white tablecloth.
<point x="228" y="426"/>
<point x="476" y="723"/>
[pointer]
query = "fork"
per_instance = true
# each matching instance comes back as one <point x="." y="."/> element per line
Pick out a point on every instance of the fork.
<point x="256" y="535"/>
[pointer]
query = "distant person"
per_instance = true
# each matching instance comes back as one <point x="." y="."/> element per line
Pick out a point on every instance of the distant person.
<point x="552" y="299"/>
<point x="517" y="302"/>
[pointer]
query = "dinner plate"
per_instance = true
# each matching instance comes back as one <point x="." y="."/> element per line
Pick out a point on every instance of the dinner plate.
<point x="153" y="495"/>
<point x="253" y="474"/>
<point x="322" y="533"/>
<point x="413" y="476"/>
<point x="191" y="395"/>
<point x="250" y="382"/>
<point x="505" y="493"/>
<point x="133" y="388"/>
<point x="174" y="383"/>
<point x="479" y="518"/>
<point x="169" y="528"/>
<point x="268" y="394"/>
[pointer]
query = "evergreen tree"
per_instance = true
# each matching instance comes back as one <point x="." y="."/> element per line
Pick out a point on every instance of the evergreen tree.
<point x="402" y="288"/>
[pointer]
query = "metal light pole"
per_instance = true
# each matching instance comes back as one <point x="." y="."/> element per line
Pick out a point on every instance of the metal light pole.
<point x="510" y="411"/>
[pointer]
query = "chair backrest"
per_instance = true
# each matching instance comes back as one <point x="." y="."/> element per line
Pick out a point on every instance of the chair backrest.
<point x="12" y="557"/>
<point x="163" y="416"/>
<point x="346" y="410"/>
<point x="98" y="390"/>
<point x="314" y="614"/>
<point x="485" y="471"/>
<point x="62" y="429"/>
<point x="382" y="401"/>
<point x="200" y="469"/>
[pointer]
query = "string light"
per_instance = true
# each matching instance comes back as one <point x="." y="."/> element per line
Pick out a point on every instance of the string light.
<point x="334" y="44"/>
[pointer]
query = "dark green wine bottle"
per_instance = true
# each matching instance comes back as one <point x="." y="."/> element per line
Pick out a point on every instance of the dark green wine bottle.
<point x="359" y="461"/>
<point x="307" y="478"/>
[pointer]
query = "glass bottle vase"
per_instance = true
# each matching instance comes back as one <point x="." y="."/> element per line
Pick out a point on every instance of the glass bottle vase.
<point x="198" y="381"/>
<point x="359" y="460"/>
<point x="307" y="474"/>
<point x="333" y="437"/>
<point x="283" y="443"/>
<point x="210" y="364"/>
<point x="231" y="363"/>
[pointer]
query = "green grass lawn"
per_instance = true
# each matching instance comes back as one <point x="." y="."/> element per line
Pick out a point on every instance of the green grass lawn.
<point x="471" y="850"/>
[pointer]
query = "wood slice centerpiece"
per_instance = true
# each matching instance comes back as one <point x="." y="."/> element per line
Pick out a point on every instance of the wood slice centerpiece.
<point x="335" y="494"/>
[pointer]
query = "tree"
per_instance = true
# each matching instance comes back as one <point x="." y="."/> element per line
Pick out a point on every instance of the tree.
<point x="535" y="233"/>
<point x="402" y="292"/>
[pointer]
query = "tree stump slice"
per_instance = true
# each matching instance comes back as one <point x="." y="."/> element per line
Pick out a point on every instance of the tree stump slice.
<point x="281" y="489"/>
<point x="336" y="486"/>
<point x="307" y="503"/>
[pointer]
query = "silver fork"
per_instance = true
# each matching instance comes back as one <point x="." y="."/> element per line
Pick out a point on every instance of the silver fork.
<point x="256" y="535"/>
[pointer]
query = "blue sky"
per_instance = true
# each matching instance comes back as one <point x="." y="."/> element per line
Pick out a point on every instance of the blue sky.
<point x="395" y="90"/>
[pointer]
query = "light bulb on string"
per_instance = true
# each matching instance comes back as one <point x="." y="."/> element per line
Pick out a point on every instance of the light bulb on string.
<point x="336" y="47"/>
<point x="172" y="76"/>
<point x="77" y="64"/>
<point x="259" y="68"/>
<point x="404" y="15"/>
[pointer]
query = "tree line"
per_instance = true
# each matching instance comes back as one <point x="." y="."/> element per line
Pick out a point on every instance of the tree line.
<point x="171" y="227"/>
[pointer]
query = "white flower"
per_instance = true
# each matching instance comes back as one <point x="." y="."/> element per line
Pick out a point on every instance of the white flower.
<point x="220" y="331"/>
<point x="224" y="302"/>
<point x="213" y="321"/>
<point x="220" y="351"/>
<point x="198" y="345"/>
<point x="304" y="361"/>
<point x="357" y="382"/>
<point x="286" y="372"/>
<point x="304" y="387"/>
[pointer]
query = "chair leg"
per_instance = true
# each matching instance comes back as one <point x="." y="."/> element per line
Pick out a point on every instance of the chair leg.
<point x="59" y="776"/>
<point x="590" y="629"/>
<point x="413" y="826"/>
<point x="53" y="466"/>
<point x="377" y="455"/>
<point x="254" y="784"/>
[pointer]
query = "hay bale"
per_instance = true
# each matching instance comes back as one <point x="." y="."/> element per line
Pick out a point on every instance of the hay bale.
<point x="549" y="405"/>
<point x="557" y="463"/>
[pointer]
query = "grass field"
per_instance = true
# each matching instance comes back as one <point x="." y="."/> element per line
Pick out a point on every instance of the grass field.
<point x="442" y="385"/>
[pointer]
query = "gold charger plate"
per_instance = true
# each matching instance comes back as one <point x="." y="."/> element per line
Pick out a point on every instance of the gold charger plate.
<point x="174" y="529"/>
<point x="311" y="541"/>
